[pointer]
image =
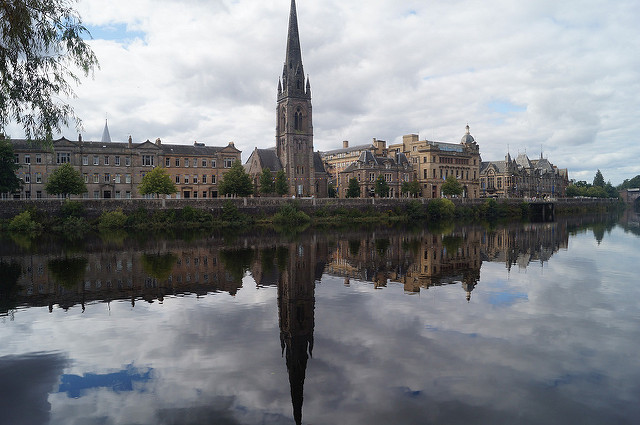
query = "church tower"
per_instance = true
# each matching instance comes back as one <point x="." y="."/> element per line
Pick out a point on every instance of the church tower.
<point x="294" y="128"/>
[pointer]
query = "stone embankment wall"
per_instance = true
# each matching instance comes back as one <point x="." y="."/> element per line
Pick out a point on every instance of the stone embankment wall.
<point x="256" y="206"/>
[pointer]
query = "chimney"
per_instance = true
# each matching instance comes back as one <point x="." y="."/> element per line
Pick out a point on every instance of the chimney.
<point x="79" y="137"/>
<point x="232" y="144"/>
<point x="130" y="142"/>
<point x="345" y="144"/>
<point x="158" y="141"/>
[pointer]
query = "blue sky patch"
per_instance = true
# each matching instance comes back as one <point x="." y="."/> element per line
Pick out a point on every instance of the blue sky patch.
<point x="76" y="386"/>
<point x="506" y="298"/>
<point x="505" y="107"/>
<point x="114" y="32"/>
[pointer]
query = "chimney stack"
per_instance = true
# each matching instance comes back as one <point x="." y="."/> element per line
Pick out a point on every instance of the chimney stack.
<point x="345" y="144"/>
<point x="158" y="141"/>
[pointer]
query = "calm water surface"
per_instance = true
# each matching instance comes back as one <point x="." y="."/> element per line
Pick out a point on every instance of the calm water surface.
<point x="523" y="323"/>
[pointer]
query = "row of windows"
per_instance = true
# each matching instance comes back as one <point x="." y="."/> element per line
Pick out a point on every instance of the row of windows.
<point x="228" y="162"/>
<point x="147" y="160"/>
<point x="106" y="178"/>
<point x="194" y="179"/>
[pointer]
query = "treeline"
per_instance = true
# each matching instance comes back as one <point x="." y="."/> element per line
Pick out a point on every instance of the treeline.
<point x="597" y="189"/>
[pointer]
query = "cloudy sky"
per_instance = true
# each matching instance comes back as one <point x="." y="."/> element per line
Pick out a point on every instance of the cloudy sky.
<point x="528" y="76"/>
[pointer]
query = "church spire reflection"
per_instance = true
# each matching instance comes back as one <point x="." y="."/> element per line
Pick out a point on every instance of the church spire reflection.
<point x="296" y="305"/>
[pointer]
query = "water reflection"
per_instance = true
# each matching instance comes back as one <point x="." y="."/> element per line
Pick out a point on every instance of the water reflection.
<point x="151" y="269"/>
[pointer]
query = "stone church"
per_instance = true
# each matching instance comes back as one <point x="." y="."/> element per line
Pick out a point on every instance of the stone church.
<point x="294" y="128"/>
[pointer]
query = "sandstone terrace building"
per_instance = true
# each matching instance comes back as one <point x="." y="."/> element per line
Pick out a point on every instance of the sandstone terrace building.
<point x="115" y="169"/>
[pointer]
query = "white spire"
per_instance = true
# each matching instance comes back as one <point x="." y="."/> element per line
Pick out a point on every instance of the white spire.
<point x="106" y="137"/>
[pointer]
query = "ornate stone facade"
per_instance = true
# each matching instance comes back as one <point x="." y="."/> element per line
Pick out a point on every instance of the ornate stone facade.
<point x="433" y="162"/>
<point x="294" y="125"/>
<point x="522" y="177"/>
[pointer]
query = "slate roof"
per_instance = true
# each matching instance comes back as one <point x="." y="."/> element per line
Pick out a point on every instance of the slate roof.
<point x="318" y="164"/>
<point x="191" y="149"/>
<point x="348" y="150"/>
<point x="501" y="166"/>
<point x="269" y="159"/>
<point x="523" y="161"/>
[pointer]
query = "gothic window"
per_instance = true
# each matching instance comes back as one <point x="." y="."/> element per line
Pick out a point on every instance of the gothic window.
<point x="298" y="120"/>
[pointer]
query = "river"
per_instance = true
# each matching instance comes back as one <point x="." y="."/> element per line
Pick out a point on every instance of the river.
<point x="525" y="323"/>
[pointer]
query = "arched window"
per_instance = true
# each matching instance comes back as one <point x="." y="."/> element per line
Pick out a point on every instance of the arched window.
<point x="298" y="120"/>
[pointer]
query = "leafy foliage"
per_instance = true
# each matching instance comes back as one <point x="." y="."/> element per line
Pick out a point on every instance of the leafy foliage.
<point x="72" y="209"/>
<point x="42" y="51"/>
<point x="24" y="222"/>
<point x="282" y="183"/>
<point x="353" y="190"/>
<point x="157" y="182"/>
<point x="412" y="188"/>
<point x="598" y="180"/>
<point x="112" y="220"/>
<point x="381" y="187"/>
<point x="65" y="180"/>
<point x="440" y="208"/>
<point x="9" y="182"/>
<point x="415" y="210"/>
<point x="289" y="214"/>
<point x="451" y="186"/>
<point x="630" y="183"/>
<point x="267" y="185"/>
<point x="236" y="181"/>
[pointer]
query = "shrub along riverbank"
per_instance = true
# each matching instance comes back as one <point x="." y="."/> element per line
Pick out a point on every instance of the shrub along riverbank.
<point x="72" y="218"/>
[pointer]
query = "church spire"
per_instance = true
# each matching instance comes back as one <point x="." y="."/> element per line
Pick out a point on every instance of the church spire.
<point x="106" y="137"/>
<point x="293" y="72"/>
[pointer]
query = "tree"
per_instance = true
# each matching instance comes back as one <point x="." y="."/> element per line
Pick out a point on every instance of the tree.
<point x="572" y="190"/>
<point x="236" y="181"/>
<point x="9" y="182"/>
<point x="612" y="192"/>
<point x="381" y="187"/>
<point x="41" y="52"/>
<point x="630" y="184"/>
<point x="353" y="190"/>
<point x="412" y="188"/>
<point x="598" y="180"/>
<point x="282" y="184"/>
<point x="65" y="180"/>
<point x="451" y="186"/>
<point x="266" y="182"/>
<point x="157" y="182"/>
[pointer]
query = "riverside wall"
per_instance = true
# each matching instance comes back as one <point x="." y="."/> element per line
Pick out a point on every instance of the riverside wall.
<point x="253" y="206"/>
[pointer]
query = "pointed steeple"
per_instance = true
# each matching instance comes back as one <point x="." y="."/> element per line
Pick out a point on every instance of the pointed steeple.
<point x="106" y="137"/>
<point x="293" y="71"/>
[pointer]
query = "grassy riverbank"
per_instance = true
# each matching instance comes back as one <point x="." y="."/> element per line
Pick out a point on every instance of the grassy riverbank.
<point x="72" y="218"/>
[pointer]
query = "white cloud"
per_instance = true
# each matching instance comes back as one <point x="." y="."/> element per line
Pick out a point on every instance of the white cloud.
<point x="208" y="70"/>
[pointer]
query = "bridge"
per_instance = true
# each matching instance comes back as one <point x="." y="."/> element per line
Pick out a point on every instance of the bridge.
<point x="631" y="196"/>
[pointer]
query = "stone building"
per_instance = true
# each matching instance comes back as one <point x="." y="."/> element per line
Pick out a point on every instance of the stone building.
<point x="338" y="160"/>
<point x="368" y="167"/>
<point x="522" y="177"/>
<point x="294" y="126"/>
<point x="433" y="162"/>
<point x="115" y="169"/>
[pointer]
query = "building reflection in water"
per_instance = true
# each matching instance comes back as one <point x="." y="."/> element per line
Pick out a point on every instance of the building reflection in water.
<point x="152" y="270"/>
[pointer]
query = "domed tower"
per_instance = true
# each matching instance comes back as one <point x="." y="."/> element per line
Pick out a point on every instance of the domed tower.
<point x="467" y="139"/>
<point x="294" y="126"/>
